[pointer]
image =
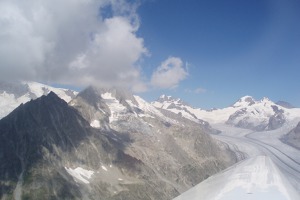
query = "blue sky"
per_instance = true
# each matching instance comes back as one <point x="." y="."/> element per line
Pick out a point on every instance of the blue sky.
<point x="207" y="52"/>
<point x="233" y="48"/>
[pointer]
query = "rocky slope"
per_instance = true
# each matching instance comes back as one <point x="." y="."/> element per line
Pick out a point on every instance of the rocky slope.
<point x="293" y="137"/>
<point x="167" y="143"/>
<point x="245" y="113"/>
<point x="49" y="150"/>
<point x="12" y="94"/>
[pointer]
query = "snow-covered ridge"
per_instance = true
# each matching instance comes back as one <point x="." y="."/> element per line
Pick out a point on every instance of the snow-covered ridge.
<point x="246" y="112"/>
<point x="177" y="106"/>
<point x="107" y="108"/>
<point x="131" y="106"/>
<point x="12" y="94"/>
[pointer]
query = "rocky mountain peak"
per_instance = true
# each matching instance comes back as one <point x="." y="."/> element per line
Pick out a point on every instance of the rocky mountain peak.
<point x="266" y="99"/>
<point x="244" y="101"/>
<point x="119" y="93"/>
<point x="164" y="97"/>
<point x="91" y="95"/>
<point x="46" y="124"/>
<point x="169" y="99"/>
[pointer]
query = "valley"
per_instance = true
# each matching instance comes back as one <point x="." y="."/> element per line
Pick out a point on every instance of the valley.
<point x="279" y="162"/>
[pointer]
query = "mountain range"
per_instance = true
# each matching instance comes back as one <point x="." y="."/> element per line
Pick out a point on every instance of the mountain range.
<point x="104" y="144"/>
<point x="246" y="113"/>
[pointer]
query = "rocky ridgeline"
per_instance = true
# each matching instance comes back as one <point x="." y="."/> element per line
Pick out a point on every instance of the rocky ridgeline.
<point x="106" y="144"/>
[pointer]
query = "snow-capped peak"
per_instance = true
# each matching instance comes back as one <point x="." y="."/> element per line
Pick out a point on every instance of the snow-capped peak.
<point x="163" y="96"/>
<point x="266" y="99"/>
<point x="249" y="101"/>
<point x="164" y="100"/>
<point x="244" y="101"/>
<point x="247" y="112"/>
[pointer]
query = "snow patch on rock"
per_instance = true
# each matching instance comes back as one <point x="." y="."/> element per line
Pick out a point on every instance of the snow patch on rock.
<point x="104" y="168"/>
<point x="95" y="123"/>
<point x="80" y="174"/>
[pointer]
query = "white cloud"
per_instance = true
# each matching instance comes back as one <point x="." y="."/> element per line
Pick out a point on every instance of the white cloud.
<point x="198" y="90"/>
<point x="70" y="42"/>
<point x="169" y="73"/>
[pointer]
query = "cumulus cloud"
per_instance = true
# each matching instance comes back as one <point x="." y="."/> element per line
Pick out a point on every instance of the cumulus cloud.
<point x="169" y="73"/>
<point x="71" y="42"/>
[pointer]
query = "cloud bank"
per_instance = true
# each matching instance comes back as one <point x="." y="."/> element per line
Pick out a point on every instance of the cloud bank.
<point x="71" y="42"/>
<point x="169" y="73"/>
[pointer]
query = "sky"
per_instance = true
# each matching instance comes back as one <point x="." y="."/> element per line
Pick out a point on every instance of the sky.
<point x="207" y="52"/>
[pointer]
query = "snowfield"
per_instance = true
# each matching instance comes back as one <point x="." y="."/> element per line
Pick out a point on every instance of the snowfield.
<point x="255" y="178"/>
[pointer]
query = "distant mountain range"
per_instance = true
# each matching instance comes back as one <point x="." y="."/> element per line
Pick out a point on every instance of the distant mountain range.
<point x="245" y="113"/>
<point x="105" y="143"/>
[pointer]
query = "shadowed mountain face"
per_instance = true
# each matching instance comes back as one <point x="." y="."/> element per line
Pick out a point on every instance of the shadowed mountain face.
<point x="49" y="150"/>
<point x="293" y="137"/>
<point x="37" y="140"/>
<point x="44" y="142"/>
<point x="39" y="124"/>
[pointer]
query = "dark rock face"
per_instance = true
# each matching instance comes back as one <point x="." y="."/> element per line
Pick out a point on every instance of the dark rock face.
<point x="297" y="129"/>
<point x="293" y="137"/>
<point x="37" y="140"/>
<point x="277" y="120"/>
<point x="46" y="145"/>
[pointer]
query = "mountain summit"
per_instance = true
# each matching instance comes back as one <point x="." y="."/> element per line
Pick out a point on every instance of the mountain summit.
<point x="37" y="140"/>
<point x="245" y="101"/>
